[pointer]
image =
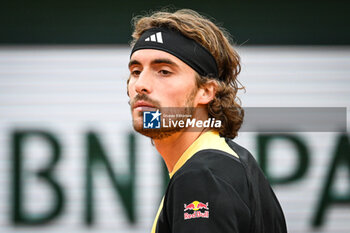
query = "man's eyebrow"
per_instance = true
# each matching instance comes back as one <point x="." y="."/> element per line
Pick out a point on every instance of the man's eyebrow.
<point x="156" y="61"/>
<point x="133" y="62"/>
<point x="164" y="60"/>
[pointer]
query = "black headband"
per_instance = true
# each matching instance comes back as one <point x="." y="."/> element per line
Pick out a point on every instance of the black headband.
<point x="186" y="49"/>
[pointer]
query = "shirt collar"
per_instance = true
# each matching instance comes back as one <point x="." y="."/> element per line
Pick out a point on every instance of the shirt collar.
<point x="208" y="140"/>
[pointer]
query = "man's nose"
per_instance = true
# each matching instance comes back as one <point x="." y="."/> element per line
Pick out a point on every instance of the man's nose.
<point x="144" y="83"/>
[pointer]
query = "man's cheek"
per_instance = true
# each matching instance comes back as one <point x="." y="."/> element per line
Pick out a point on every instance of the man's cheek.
<point x="131" y="94"/>
<point x="130" y="86"/>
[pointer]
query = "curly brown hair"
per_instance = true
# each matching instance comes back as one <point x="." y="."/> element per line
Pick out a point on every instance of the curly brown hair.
<point x="226" y="106"/>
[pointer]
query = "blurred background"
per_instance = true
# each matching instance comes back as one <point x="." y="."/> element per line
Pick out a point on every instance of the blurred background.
<point x="69" y="160"/>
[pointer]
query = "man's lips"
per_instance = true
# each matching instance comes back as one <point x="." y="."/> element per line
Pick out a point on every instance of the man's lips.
<point x="143" y="106"/>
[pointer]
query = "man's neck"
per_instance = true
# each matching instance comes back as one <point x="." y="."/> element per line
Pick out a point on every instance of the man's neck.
<point x="172" y="147"/>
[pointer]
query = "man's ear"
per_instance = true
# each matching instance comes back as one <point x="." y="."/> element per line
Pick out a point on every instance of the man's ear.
<point x="207" y="92"/>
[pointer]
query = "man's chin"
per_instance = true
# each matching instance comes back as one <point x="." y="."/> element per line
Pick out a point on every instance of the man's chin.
<point x="163" y="132"/>
<point x="156" y="134"/>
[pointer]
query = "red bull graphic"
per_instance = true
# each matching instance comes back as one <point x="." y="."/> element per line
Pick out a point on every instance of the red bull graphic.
<point x="196" y="209"/>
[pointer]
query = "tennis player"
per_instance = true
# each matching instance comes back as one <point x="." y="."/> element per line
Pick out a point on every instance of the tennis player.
<point x="183" y="61"/>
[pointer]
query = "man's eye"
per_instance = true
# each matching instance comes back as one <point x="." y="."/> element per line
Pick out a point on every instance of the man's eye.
<point x="165" y="72"/>
<point x="135" y="73"/>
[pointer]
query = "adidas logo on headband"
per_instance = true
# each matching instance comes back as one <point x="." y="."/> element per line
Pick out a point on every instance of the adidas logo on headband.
<point x="157" y="37"/>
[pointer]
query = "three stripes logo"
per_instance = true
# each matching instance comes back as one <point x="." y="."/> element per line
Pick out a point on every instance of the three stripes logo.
<point x="157" y="37"/>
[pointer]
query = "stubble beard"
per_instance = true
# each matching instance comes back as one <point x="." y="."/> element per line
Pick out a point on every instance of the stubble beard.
<point x="182" y="113"/>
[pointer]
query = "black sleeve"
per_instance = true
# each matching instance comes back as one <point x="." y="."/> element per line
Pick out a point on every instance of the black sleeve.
<point x="198" y="201"/>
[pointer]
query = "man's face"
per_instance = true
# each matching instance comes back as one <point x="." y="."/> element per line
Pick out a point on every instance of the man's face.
<point x="159" y="80"/>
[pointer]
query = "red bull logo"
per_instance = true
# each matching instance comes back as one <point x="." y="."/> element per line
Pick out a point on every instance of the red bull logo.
<point x="200" y="210"/>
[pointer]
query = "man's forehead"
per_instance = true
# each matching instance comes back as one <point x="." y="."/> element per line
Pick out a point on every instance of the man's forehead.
<point x="150" y="55"/>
